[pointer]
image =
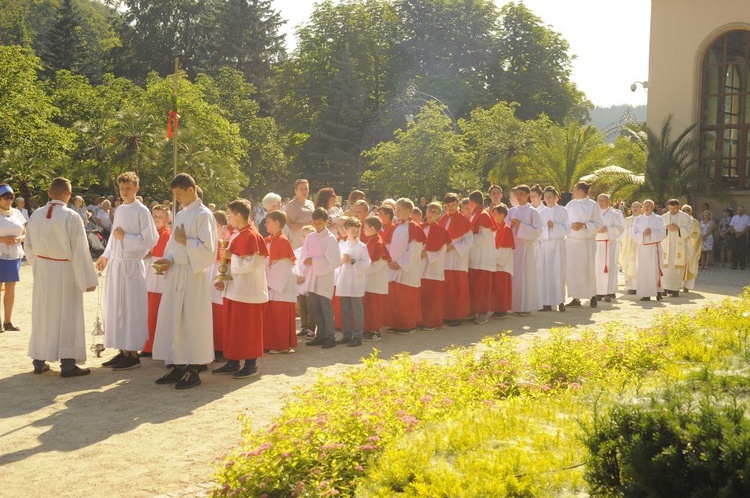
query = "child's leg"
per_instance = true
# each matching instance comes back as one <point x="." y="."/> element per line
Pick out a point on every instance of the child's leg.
<point x="346" y="315"/>
<point x="359" y="317"/>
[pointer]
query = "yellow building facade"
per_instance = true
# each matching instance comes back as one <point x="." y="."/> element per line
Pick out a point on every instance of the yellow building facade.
<point x="699" y="72"/>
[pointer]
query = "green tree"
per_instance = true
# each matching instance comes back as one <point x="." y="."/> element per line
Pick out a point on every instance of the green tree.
<point x="425" y="159"/>
<point x="671" y="168"/>
<point x="248" y="40"/>
<point x="63" y="45"/>
<point x="533" y="68"/>
<point x="264" y="163"/>
<point x="564" y="154"/>
<point x="501" y="141"/>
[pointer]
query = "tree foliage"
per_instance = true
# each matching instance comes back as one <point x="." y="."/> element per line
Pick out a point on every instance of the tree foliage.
<point x="423" y="160"/>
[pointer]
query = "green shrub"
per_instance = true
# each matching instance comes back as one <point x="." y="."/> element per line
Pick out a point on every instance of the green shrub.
<point x="674" y="447"/>
<point x="516" y="448"/>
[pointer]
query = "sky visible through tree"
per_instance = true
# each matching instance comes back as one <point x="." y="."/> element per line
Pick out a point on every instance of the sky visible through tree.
<point x="609" y="39"/>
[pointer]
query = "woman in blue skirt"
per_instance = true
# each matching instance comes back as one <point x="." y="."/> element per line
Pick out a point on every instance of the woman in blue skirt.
<point x="12" y="229"/>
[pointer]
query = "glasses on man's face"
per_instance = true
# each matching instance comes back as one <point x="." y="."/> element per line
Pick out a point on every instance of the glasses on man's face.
<point x="8" y="197"/>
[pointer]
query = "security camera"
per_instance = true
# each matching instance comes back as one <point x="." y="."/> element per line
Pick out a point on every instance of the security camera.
<point x="633" y="87"/>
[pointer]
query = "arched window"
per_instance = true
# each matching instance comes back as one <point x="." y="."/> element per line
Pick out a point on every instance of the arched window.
<point x="725" y="109"/>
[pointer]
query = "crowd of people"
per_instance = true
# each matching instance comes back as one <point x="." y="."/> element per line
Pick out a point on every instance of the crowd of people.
<point x="230" y="283"/>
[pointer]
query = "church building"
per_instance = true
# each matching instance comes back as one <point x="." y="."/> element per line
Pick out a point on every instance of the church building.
<point x="699" y="71"/>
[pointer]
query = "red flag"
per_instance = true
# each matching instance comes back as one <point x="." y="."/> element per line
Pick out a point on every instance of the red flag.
<point x="172" y="121"/>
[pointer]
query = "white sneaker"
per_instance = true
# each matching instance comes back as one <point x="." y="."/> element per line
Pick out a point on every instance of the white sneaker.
<point x="482" y="318"/>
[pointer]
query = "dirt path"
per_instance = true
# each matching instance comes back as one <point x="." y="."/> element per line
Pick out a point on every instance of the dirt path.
<point x="119" y="434"/>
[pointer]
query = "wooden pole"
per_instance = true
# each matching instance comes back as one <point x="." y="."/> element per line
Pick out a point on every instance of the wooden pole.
<point x="174" y="137"/>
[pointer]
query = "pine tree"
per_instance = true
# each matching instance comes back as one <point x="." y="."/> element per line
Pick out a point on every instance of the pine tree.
<point x="248" y="40"/>
<point x="64" y="45"/>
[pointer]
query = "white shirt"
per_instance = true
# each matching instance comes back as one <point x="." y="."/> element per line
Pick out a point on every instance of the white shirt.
<point x="740" y="222"/>
<point x="350" y="280"/>
<point x="11" y="225"/>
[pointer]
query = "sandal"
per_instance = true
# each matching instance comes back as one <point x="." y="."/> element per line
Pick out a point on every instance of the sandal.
<point x="10" y="327"/>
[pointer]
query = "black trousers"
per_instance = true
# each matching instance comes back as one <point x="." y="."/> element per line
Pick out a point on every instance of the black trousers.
<point x="739" y="253"/>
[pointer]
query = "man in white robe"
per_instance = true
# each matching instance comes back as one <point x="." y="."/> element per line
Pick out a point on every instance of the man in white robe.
<point x="628" y="249"/>
<point x="184" y="329"/>
<point x="674" y="246"/>
<point x="57" y="249"/>
<point x="125" y="294"/>
<point x="555" y="229"/>
<point x="580" y="246"/>
<point x="693" y="251"/>
<point x="608" y="248"/>
<point x="527" y="227"/>
<point x="647" y="232"/>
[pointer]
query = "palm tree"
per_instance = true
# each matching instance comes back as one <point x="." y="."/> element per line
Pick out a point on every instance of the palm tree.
<point x="671" y="168"/>
<point x="564" y="154"/>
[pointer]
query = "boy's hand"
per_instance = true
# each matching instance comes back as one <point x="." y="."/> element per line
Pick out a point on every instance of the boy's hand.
<point x="118" y="233"/>
<point x="101" y="263"/>
<point x="346" y="258"/>
<point x="179" y="235"/>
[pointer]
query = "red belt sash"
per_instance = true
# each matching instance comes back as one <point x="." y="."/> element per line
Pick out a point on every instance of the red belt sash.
<point x="52" y="259"/>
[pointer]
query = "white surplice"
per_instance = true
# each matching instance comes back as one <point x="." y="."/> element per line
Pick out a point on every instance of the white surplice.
<point x="580" y="248"/>
<point x="628" y="250"/>
<point x="552" y="255"/>
<point x="608" y="251"/>
<point x="408" y="255"/>
<point x="526" y="292"/>
<point x="58" y="252"/>
<point x="648" y="256"/>
<point x="350" y="278"/>
<point x="184" y="329"/>
<point x="323" y="248"/>
<point x="125" y="294"/>
<point x="693" y="255"/>
<point x="674" y="247"/>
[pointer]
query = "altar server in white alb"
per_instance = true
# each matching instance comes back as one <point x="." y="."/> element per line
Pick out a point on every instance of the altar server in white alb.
<point x="580" y="246"/>
<point x="125" y="307"/>
<point x="647" y="232"/>
<point x="58" y="251"/>
<point x="184" y="330"/>
<point x="628" y="249"/>
<point x="527" y="227"/>
<point x="555" y="228"/>
<point x="675" y="257"/>
<point x="608" y="248"/>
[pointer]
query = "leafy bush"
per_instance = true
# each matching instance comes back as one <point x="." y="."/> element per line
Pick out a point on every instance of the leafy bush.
<point x="674" y="447"/>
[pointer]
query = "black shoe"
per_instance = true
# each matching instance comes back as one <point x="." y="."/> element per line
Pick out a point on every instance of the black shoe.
<point x="12" y="328"/>
<point x="354" y="343"/>
<point x="246" y="371"/>
<point x="228" y="368"/>
<point x="328" y="343"/>
<point x="371" y="336"/>
<point x="145" y="354"/>
<point x="607" y="299"/>
<point x="114" y="360"/>
<point x="574" y="303"/>
<point x="405" y="331"/>
<point x="631" y="291"/>
<point x="658" y="296"/>
<point x="76" y="371"/>
<point x="593" y="302"/>
<point x="453" y="323"/>
<point x="561" y="307"/>
<point x="318" y="341"/>
<point x="189" y="379"/>
<point x="42" y="369"/>
<point x="546" y="308"/>
<point x="500" y="314"/>
<point x="345" y="340"/>
<point x="645" y="299"/>
<point x="172" y="377"/>
<point x="202" y="368"/>
<point x="127" y="362"/>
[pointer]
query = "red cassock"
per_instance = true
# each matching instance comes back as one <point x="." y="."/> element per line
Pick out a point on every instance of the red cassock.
<point x="154" y="298"/>
<point x="243" y="322"/>
<point x="502" y="288"/>
<point x="480" y="281"/>
<point x="432" y="292"/>
<point x="279" y="327"/>
<point x="404" y="300"/>
<point x="456" y="282"/>
<point x="376" y="305"/>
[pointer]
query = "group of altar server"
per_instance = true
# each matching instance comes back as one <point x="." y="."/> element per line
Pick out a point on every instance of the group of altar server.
<point x="373" y="272"/>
